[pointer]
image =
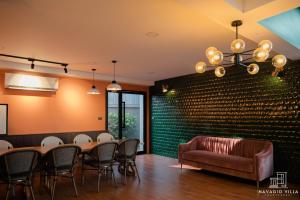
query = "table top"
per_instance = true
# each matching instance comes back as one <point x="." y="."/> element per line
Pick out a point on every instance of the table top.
<point x="43" y="150"/>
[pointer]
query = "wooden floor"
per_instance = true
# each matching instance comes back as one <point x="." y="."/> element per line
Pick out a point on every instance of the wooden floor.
<point x="162" y="179"/>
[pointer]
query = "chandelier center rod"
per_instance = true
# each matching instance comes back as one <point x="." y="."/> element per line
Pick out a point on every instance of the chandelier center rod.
<point x="236" y="24"/>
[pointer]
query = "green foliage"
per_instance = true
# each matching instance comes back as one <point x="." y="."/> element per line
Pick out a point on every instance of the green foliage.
<point x="130" y="125"/>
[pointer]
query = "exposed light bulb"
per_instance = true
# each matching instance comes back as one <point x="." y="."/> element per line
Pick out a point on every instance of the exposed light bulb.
<point x="252" y="69"/>
<point x="279" y="61"/>
<point x="200" y="67"/>
<point x="260" y="55"/>
<point x="210" y="51"/>
<point x="238" y="46"/>
<point x="220" y="71"/>
<point x="266" y="45"/>
<point x="217" y="58"/>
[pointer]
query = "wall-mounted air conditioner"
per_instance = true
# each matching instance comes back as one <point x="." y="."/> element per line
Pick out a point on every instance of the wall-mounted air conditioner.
<point x="29" y="82"/>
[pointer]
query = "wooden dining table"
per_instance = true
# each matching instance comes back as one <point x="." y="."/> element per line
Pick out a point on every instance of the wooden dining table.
<point x="85" y="148"/>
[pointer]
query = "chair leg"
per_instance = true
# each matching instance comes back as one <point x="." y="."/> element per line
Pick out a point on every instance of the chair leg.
<point x="113" y="175"/>
<point x="74" y="184"/>
<point x="31" y="191"/>
<point x="99" y="178"/>
<point x="257" y="184"/>
<point x="7" y="191"/>
<point x="181" y="166"/>
<point x="82" y="177"/>
<point x="125" y="172"/>
<point x="13" y="191"/>
<point x="41" y="182"/>
<point x="82" y="170"/>
<point x="137" y="171"/>
<point x="53" y="188"/>
<point x="46" y="179"/>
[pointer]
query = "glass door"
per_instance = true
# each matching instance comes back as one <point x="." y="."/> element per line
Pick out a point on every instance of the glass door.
<point x="112" y="114"/>
<point x="126" y="116"/>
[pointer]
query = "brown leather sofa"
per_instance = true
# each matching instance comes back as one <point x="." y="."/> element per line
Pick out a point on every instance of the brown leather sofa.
<point x="245" y="158"/>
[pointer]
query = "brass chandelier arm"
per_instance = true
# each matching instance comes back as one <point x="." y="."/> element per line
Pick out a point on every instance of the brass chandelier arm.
<point x="242" y="64"/>
<point x="247" y="59"/>
<point x="228" y="55"/>
<point x="220" y="64"/>
<point x="247" y="54"/>
<point x="228" y="61"/>
<point x="227" y="64"/>
<point x="242" y="53"/>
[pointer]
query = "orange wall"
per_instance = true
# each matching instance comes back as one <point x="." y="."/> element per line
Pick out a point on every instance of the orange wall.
<point x="70" y="109"/>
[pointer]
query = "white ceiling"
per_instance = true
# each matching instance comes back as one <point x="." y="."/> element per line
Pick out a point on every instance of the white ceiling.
<point x="90" y="33"/>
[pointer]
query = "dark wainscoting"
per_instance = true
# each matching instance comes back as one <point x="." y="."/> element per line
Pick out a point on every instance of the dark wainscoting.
<point x="36" y="139"/>
<point x="236" y="105"/>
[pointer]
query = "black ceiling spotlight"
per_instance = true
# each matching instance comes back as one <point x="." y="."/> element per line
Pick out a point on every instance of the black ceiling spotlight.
<point x="32" y="60"/>
<point x="65" y="68"/>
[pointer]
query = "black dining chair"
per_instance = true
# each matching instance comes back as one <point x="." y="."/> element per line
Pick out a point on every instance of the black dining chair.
<point x="101" y="159"/>
<point x="60" y="162"/>
<point x="16" y="167"/>
<point x="126" y="156"/>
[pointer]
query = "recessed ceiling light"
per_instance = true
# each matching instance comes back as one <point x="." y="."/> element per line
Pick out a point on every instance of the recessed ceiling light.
<point x="152" y="34"/>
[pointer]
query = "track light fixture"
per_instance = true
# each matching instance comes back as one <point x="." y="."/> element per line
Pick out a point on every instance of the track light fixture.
<point x="32" y="65"/>
<point x="32" y="60"/>
<point x="65" y="68"/>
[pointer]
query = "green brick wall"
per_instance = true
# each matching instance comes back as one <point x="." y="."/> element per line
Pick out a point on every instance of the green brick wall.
<point x="236" y="105"/>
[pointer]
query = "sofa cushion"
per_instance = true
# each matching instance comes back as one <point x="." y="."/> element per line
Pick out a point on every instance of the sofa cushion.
<point x="231" y="146"/>
<point x="220" y="160"/>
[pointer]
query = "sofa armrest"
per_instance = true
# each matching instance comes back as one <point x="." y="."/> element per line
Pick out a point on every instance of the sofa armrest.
<point x="264" y="163"/>
<point x="191" y="145"/>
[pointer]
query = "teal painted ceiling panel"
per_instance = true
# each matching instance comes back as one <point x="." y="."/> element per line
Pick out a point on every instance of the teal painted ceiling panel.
<point x="286" y="25"/>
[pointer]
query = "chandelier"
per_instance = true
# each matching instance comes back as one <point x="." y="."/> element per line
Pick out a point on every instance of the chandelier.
<point x="259" y="55"/>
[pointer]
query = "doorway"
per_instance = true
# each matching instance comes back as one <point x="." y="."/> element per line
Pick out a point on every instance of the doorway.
<point x="126" y="116"/>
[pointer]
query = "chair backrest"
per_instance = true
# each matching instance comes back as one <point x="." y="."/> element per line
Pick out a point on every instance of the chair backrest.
<point x="82" y="139"/>
<point x="129" y="148"/>
<point x="4" y="145"/>
<point x="51" y="142"/>
<point x="104" y="152"/>
<point x="104" y="137"/>
<point x="18" y="162"/>
<point x="62" y="157"/>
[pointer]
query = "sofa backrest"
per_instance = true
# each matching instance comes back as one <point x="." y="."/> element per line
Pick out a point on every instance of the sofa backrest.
<point x="231" y="146"/>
